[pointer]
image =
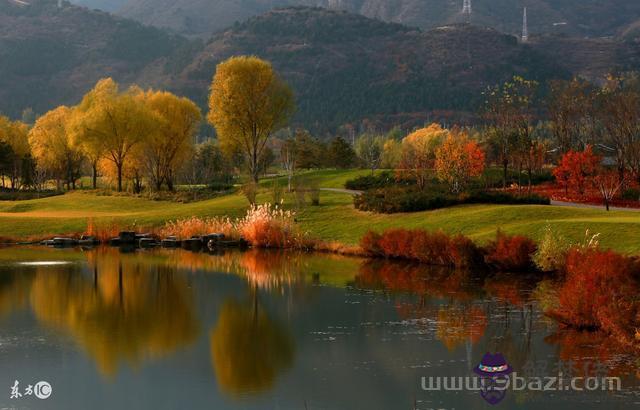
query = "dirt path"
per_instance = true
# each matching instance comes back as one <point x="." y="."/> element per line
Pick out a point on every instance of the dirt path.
<point x="590" y="206"/>
<point x="342" y="191"/>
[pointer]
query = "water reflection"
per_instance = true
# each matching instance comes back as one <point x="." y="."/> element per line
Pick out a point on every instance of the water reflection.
<point x="282" y="329"/>
<point x="248" y="348"/>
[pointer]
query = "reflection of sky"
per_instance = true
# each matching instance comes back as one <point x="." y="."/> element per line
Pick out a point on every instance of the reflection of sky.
<point x="352" y="351"/>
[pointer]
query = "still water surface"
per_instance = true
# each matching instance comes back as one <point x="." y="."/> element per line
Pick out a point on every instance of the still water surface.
<point x="170" y="329"/>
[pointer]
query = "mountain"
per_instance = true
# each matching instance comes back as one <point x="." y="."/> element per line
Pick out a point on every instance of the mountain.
<point x="593" y="18"/>
<point x="345" y="67"/>
<point x="51" y="55"/>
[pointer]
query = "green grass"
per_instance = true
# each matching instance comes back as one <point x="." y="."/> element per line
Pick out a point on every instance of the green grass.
<point x="334" y="219"/>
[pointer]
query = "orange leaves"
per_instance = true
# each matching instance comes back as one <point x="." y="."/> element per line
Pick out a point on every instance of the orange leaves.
<point x="511" y="253"/>
<point x="575" y="168"/>
<point x="458" y="160"/>
<point x="434" y="248"/>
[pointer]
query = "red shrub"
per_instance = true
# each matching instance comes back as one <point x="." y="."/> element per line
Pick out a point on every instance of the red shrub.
<point x="510" y="253"/>
<point x="464" y="252"/>
<point x="396" y="243"/>
<point x="600" y="292"/>
<point x="370" y="243"/>
<point x="431" y="247"/>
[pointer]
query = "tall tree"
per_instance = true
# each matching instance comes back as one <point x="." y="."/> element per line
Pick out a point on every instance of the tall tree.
<point x="340" y="153"/>
<point x="418" y="152"/>
<point x="52" y="147"/>
<point x="369" y="148"/>
<point x="248" y="103"/>
<point x="509" y="110"/>
<point x="14" y="134"/>
<point x="114" y="122"/>
<point x="173" y="140"/>
<point x="458" y="160"/>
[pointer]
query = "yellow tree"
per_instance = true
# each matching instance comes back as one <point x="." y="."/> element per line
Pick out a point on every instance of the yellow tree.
<point x="113" y="122"/>
<point x="418" y="152"/>
<point x="248" y="102"/>
<point x="458" y="159"/>
<point x="14" y="136"/>
<point x="53" y="148"/>
<point x="173" y="141"/>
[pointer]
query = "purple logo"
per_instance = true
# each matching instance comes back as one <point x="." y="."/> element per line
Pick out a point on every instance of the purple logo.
<point x="494" y="372"/>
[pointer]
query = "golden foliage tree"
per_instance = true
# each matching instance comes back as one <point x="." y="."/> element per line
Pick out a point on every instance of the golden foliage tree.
<point x="14" y="135"/>
<point x="248" y="102"/>
<point x="418" y="152"/>
<point x="173" y="141"/>
<point x="53" y="148"/>
<point x="114" y="122"/>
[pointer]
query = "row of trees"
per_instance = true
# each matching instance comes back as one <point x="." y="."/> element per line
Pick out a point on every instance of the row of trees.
<point x="126" y="134"/>
<point x="520" y="127"/>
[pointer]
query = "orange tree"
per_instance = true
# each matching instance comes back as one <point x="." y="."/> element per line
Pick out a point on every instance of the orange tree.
<point x="458" y="160"/>
<point x="576" y="168"/>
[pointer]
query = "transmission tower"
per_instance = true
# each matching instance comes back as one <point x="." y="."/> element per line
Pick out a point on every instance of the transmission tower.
<point x="466" y="6"/>
<point x="525" y="27"/>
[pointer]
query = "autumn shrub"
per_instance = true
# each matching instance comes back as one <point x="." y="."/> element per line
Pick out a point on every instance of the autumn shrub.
<point x="433" y="248"/>
<point x="510" y="253"/>
<point x="600" y="292"/>
<point x="267" y="226"/>
<point x="396" y="243"/>
<point x="552" y="251"/>
<point x="464" y="252"/>
<point x="370" y="244"/>
<point x="103" y="230"/>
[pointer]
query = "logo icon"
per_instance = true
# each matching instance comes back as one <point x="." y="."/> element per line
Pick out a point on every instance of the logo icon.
<point x="494" y="373"/>
<point x="42" y="390"/>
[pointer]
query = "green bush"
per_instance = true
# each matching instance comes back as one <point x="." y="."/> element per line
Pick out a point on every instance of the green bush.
<point x="401" y="199"/>
<point x="632" y="194"/>
<point x="380" y="180"/>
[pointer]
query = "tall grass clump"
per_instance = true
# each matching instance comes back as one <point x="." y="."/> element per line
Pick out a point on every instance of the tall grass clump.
<point x="552" y="251"/>
<point x="103" y="230"/>
<point x="194" y="226"/>
<point x="267" y="226"/>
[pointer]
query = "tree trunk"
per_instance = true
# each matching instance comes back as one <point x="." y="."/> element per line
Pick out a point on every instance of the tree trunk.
<point x="505" y="163"/>
<point x="119" y="166"/>
<point x="94" y="175"/>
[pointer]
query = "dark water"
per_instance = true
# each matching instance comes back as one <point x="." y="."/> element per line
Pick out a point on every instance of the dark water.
<point x="255" y="330"/>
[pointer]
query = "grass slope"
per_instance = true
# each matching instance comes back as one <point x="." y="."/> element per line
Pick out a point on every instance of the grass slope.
<point x="334" y="219"/>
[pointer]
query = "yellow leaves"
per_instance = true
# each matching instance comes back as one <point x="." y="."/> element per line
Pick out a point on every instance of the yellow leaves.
<point x="14" y="133"/>
<point x="248" y="102"/>
<point x="50" y="140"/>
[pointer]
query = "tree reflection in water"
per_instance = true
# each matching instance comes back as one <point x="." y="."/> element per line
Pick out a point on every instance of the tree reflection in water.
<point x="124" y="311"/>
<point x="248" y="348"/>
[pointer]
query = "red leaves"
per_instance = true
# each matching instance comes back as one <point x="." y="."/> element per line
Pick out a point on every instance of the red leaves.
<point x="434" y="248"/>
<point x="510" y="253"/>
<point x="599" y="292"/>
<point x="575" y="169"/>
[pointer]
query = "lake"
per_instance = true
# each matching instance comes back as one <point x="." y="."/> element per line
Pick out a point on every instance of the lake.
<point x="172" y="329"/>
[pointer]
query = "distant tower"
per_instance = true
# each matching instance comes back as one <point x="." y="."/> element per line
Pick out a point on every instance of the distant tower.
<point x="466" y="7"/>
<point x="525" y="28"/>
<point x="59" y="4"/>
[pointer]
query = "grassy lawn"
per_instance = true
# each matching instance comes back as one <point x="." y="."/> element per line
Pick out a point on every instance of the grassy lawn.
<point x="334" y="219"/>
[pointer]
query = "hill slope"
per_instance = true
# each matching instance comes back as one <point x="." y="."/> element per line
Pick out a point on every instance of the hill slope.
<point x="575" y="17"/>
<point x="345" y="67"/>
<point x="51" y="56"/>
